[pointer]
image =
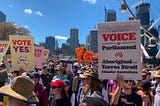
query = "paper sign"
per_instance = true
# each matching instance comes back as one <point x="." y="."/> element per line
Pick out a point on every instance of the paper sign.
<point x="119" y="50"/>
<point x="22" y="52"/>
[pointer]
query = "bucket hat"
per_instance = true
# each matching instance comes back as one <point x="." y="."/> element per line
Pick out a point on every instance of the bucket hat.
<point x="22" y="88"/>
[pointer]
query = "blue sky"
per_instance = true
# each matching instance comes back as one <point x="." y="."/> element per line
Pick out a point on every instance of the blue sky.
<point x="56" y="17"/>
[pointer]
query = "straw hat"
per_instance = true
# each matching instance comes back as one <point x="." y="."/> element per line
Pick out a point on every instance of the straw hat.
<point x="157" y="74"/>
<point x="92" y="74"/>
<point x="84" y="75"/>
<point x="22" y="88"/>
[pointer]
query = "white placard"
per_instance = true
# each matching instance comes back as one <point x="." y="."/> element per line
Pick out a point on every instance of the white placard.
<point x="119" y="50"/>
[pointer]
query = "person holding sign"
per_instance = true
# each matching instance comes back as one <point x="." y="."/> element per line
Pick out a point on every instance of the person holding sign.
<point x="124" y="95"/>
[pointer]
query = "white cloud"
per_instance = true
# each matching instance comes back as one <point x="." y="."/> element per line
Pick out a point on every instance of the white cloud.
<point x="26" y="26"/>
<point x="60" y="37"/>
<point x="91" y="1"/>
<point x="10" y="5"/>
<point x="28" y="11"/>
<point x="38" y="13"/>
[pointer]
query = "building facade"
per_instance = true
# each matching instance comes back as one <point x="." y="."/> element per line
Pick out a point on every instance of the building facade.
<point x="50" y="43"/>
<point x="143" y="13"/>
<point x="93" y="37"/>
<point x="74" y="41"/>
<point x="110" y="15"/>
<point x="2" y="17"/>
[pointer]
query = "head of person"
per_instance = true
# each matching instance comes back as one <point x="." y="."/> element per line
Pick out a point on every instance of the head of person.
<point x="67" y="83"/>
<point x="92" y="101"/>
<point x="148" y="77"/>
<point x="93" y="81"/>
<point x="144" y="74"/>
<point x="45" y="68"/>
<point x="127" y="84"/>
<point x="146" y="85"/>
<point x="2" y="66"/>
<point x="83" y="77"/>
<point x="20" y="92"/>
<point x="58" y="69"/>
<point x="92" y="77"/>
<point x="36" y="76"/>
<point x="58" y="88"/>
<point x="15" y="73"/>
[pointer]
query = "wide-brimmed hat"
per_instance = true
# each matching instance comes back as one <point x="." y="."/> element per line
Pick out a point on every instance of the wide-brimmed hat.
<point x="58" y="83"/>
<point x="84" y="75"/>
<point x="92" y="74"/>
<point x="3" y="75"/>
<point x="157" y="74"/>
<point x="22" y="88"/>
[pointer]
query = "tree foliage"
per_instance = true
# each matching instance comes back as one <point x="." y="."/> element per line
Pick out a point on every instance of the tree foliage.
<point x="7" y="29"/>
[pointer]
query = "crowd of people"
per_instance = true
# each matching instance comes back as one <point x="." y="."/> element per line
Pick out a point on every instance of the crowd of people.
<point x="56" y="85"/>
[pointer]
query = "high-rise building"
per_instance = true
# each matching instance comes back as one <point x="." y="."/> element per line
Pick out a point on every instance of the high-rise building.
<point x="68" y="41"/>
<point x="110" y="15"/>
<point x="2" y="17"/>
<point x="50" y="43"/>
<point x="74" y="42"/>
<point x="94" y="40"/>
<point x="88" y="42"/>
<point x="41" y="44"/>
<point x="143" y="13"/>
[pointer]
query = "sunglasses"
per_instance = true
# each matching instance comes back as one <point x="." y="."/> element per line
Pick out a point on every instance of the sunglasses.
<point x="53" y="87"/>
<point x="126" y="81"/>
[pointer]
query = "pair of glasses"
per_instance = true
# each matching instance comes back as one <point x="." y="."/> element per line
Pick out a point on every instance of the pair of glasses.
<point x="126" y="81"/>
<point x="53" y="87"/>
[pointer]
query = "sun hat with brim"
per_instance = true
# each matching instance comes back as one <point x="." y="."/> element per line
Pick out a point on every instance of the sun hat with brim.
<point x="58" y="83"/>
<point x="22" y="88"/>
<point x="92" y="74"/>
<point x="3" y="75"/>
<point x="84" y="75"/>
<point x="157" y="74"/>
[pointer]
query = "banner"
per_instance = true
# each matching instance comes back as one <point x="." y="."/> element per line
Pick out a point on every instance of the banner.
<point x="3" y="49"/>
<point x="38" y="57"/>
<point x="22" y="52"/>
<point x="45" y="55"/>
<point x="119" y="50"/>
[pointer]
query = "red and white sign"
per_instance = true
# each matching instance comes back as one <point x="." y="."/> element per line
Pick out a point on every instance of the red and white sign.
<point x="119" y="50"/>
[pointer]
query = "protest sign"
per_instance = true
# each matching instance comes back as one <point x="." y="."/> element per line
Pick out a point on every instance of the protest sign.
<point x="45" y="55"/>
<point x="22" y="53"/>
<point x="3" y="49"/>
<point x="38" y="57"/>
<point x="119" y="50"/>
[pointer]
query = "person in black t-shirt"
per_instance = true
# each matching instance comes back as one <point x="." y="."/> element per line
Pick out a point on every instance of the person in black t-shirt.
<point x="60" y="95"/>
<point x="124" y="95"/>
